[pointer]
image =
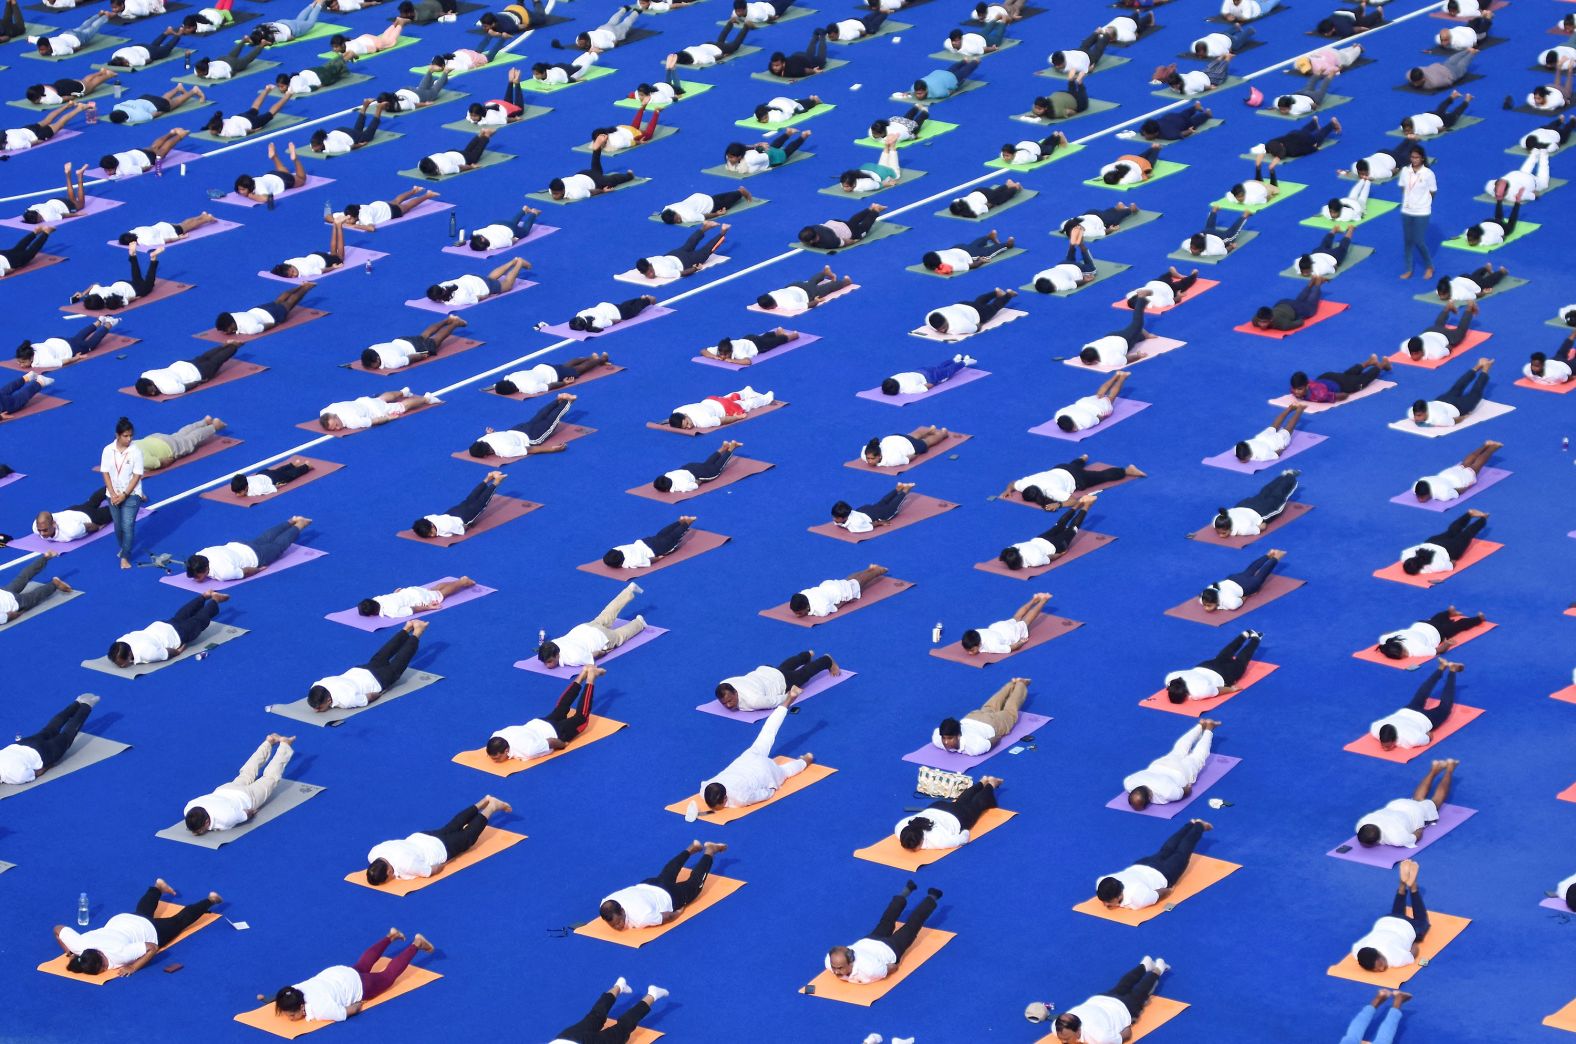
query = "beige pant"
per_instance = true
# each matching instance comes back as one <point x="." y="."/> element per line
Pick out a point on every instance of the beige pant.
<point x="259" y="788"/>
<point x="1000" y="712"/>
<point x="608" y="617"/>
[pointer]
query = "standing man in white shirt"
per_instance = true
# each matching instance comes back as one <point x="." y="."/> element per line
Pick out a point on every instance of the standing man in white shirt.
<point x="1401" y="822"/>
<point x="1417" y="203"/>
<point x="825" y="598"/>
<point x="236" y="802"/>
<point x="946" y="823"/>
<point x="1217" y="676"/>
<point x="122" y="467"/>
<point x="240" y="559"/>
<point x="767" y="687"/>
<point x="1171" y="776"/>
<point x="980" y="729"/>
<point x="1440" y="552"/>
<point x="1413" y="725"/>
<point x="753" y="776"/>
<point x="1152" y="878"/>
<point x="644" y="552"/>
<point x="1252" y="515"/>
<point x="424" y="854"/>
<point x="585" y="643"/>
<point x="878" y="954"/>
<point x="31" y="756"/>
<point x="658" y="900"/>
<point x="361" y="686"/>
<point x="1005" y="636"/>
<point x="1394" y="941"/>
<point x="127" y="942"/>
<point x="540" y="737"/>
<point x="1107" y="1018"/>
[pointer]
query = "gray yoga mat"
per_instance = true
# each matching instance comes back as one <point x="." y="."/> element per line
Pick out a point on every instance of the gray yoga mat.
<point x="85" y="750"/>
<point x="59" y="598"/>
<point x="299" y="711"/>
<point x="288" y="795"/>
<point x="215" y="635"/>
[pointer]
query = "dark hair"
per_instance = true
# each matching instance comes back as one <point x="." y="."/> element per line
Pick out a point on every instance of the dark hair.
<point x="970" y="639"/>
<point x="1210" y="595"/>
<point x="1244" y="451"/>
<point x="1108" y="889"/>
<point x="733" y="151"/>
<point x="497" y="745"/>
<point x="669" y="216"/>
<point x="506" y="386"/>
<point x="1237" y="191"/>
<point x="841" y="510"/>
<point x="1176" y="690"/>
<point x="1139" y="798"/>
<point x="238" y="484"/>
<point x="428" y="167"/>
<point x="439" y="292"/>
<point x="1283" y="102"/>
<point x="715" y="795"/>
<point x="1068" y="1021"/>
<point x="118" y="115"/>
<point x="913" y="833"/>
<point x="289" y="999"/>
<point x="1387" y="734"/>
<point x="959" y="208"/>
<point x="614" y="559"/>
<point x="367" y="607"/>
<point x="1414" y="75"/>
<point x="1368" y="957"/>
<point x="547" y="651"/>
<point x="318" y="698"/>
<point x="1011" y="557"/>
<point x="146" y="387"/>
<point x="479" y="449"/>
<point x="1265" y="314"/>
<point x="1368" y="835"/>
<point x="676" y="419"/>
<point x="378" y="872"/>
<point x="201" y="66"/>
<point x="197" y="820"/>
<point x="1036" y="495"/>
<point x="555" y="187"/>
<point x="88" y="962"/>
<point x="878" y="129"/>
<point x="109" y="162"/>
<point x="1115" y="174"/>
<point x="1361" y="166"/>
<point x="723" y="688"/>
<point x="950" y="727"/>
<point x="196" y="566"/>
<point x="1222" y="519"/>
<point x="1570" y="897"/>
<point x="1088" y="355"/>
<point x="243" y="182"/>
<point x="798" y="603"/>
<point x="889" y="386"/>
<point x="608" y="910"/>
<point x="1414" y="565"/>
<point x="1066" y="423"/>
<point x="662" y="484"/>
<point x="1420" y="404"/>
<point x="581" y="322"/>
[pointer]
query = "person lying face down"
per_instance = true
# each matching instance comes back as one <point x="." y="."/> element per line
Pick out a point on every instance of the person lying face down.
<point x="1402" y="822"/>
<point x="1395" y="940"/>
<point x="767" y="687"/>
<point x="362" y="686"/>
<point x="1171" y="776"/>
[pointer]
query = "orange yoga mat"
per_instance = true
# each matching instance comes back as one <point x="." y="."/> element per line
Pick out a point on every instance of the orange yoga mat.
<point x="1371" y="653"/>
<point x="492" y="841"/>
<point x="717" y="889"/>
<point x="1202" y="871"/>
<point x="1564" y="1019"/>
<point x="642" y="1035"/>
<point x="1443" y="929"/>
<point x="1568" y="794"/>
<point x="1158" y="1012"/>
<point x="1567" y="694"/>
<point x="812" y="775"/>
<point x="1469" y="342"/>
<point x="57" y="966"/>
<point x="599" y="728"/>
<point x="1198" y="287"/>
<point x="1257" y="671"/>
<point x="888" y="852"/>
<point x="1476" y="552"/>
<point x="927" y="944"/>
<point x="263" y="1018"/>
<point x="1459" y="717"/>
<point x="1557" y="389"/>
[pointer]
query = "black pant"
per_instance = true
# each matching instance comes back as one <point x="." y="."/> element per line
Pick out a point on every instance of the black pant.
<point x="1134" y="332"/>
<point x="140" y="282"/>
<point x="1448" y="115"/>
<point x="54" y="739"/>
<point x="541" y="427"/>
<point x="692" y="254"/>
<point x="363" y="133"/>
<point x="589" y="1029"/>
<point x="472" y="151"/>
<point x="239" y="62"/>
<point x="1418" y="918"/>
<point x="1084" y="477"/>
<point x="601" y="179"/>
<point x="1506" y="223"/>
<point x="1453" y="335"/>
<point x="666" y="540"/>
<point x="1485" y="276"/>
<point x="1457" y="537"/>
<point x="1134" y="988"/>
<point x="969" y="805"/>
<point x="1109" y="218"/>
<point x="885" y="509"/>
<point x="987" y="305"/>
<point x="726" y="200"/>
<point x="167" y="928"/>
<point x="1231" y="663"/>
<point x="285" y="473"/>
<point x="17" y="585"/>
<point x="461" y="832"/>
<point x="193" y="618"/>
<point x="474" y="504"/>
<point x="1448" y="628"/>
<point x="389" y="662"/>
<point x="860" y="224"/>
<point x="1447" y="700"/>
<point x="900" y="939"/>
<point x="96" y="507"/>
<point x="1061" y="534"/>
<point x="799" y="668"/>
<point x="1094" y="46"/>
<point x="711" y="467"/>
<point x="161" y="48"/>
<point x="209" y="362"/>
<point x="627" y="310"/>
<point x="1353" y="379"/>
<point x="811" y="59"/>
<point x="1270" y="501"/>
<point x="12" y="24"/>
<point x="572" y="713"/>
<point x="27" y="248"/>
<point x="686" y="891"/>
<point x="1172" y="858"/>
<point x="788" y="143"/>
<point x="1467" y="392"/>
<point x="996" y="195"/>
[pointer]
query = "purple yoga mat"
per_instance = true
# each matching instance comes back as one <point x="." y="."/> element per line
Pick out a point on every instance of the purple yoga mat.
<point x="535" y="666"/>
<point x="351" y="618"/>
<point x="213" y="228"/>
<point x="1215" y="766"/>
<point x="967" y="375"/>
<point x="172" y="160"/>
<point x="1555" y="904"/>
<point x="15" y="476"/>
<point x="294" y="556"/>
<point x="819" y="684"/>
<point x="94" y="205"/>
<point x="562" y="329"/>
<point x="1120" y="411"/>
<point x="235" y="199"/>
<point x="1486" y="478"/>
<point x="1300" y="440"/>
<point x="775" y="353"/>
<point x="537" y="232"/>
<point x="355" y="257"/>
<point x="65" y="135"/>
<point x="444" y="307"/>
<point x="952" y="761"/>
<point x="1386" y="856"/>
<point x="40" y="545"/>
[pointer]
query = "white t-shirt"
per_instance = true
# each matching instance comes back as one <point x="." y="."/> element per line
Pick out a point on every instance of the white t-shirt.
<point x="1086" y="412"/>
<point x="1063" y="277"/>
<point x="1400" y="820"/>
<point x="1215" y="44"/>
<point x="1035" y="552"/>
<point x="1125" y="29"/>
<point x="304" y="82"/>
<point x="636" y="555"/>
<point x="1450" y="483"/>
<point x="69" y="526"/>
<point x="970" y="45"/>
<point x="260" y="486"/>
<point x="395" y="354"/>
<point x="1435" y="344"/>
<point x="529" y="740"/>
<point x="976" y="203"/>
<point x="764" y="688"/>
<point x="508" y="443"/>
<point x="1268" y="444"/>
<point x="1321" y="264"/>
<point x="446" y="525"/>
<point x="1393" y="938"/>
<point x="174" y="378"/>
<point x="579" y="648"/>
<point x="665" y="266"/>
<point x="974" y="738"/>
<point x="1438" y="563"/>
<point x="1417" y="187"/>
<point x="643" y="905"/>
<point x="790" y="299"/>
<point x="1420" y="639"/>
<point x="229" y="561"/>
<point x="227" y="807"/>
<point x="468" y="289"/>
<point x="1141" y="886"/>
<point x="331" y="993"/>
<point x="1437" y="414"/>
<point x="123" y="939"/>
<point x="909" y="382"/>
<point x="350" y="690"/>
<point x="945" y="830"/>
<point x="1554" y="372"/>
<point x="419" y="855"/>
<point x="1244" y="521"/>
<point x="1381" y="165"/>
<point x="895" y="450"/>
<point x="406" y="601"/>
<point x="682" y="481"/>
<point x="960" y="319"/>
<point x="871" y="960"/>
<point x="1412" y="728"/>
<point x="268" y="185"/>
<point x="1195" y="81"/>
<point x="496" y="236"/>
<point x="1057" y="483"/>
<point x="1001" y="636"/>
<point x="218" y="70"/>
<point x="1102" y="1018"/>
<point x="1255" y="192"/>
<point x="356" y="414"/>
<point x="826" y="596"/>
<point x="702" y="55"/>
<point x="1201" y="682"/>
<point x="448" y="162"/>
<point x="19" y="764"/>
<point x="152" y="644"/>
<point x="18" y="138"/>
<point x="1228" y="595"/>
<point x="50" y="353"/>
<point x="374" y="214"/>
<point x="578" y="186"/>
<point x="534" y="381"/>
<point x="692" y="209"/>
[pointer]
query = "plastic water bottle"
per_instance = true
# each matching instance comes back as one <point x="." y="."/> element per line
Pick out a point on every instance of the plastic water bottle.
<point x="158" y="166"/>
<point x="541" y="638"/>
<point x="454" y="224"/>
<point x="1565" y="444"/>
<point x="82" y="910"/>
<point x="935" y="633"/>
<point x="328" y="210"/>
<point x="369" y="266"/>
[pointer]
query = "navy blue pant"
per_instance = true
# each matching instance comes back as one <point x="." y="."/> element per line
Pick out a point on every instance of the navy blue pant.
<point x="54" y="739"/>
<point x="1467" y="392"/>
<point x="541" y="427"/>
<point x="1272" y="499"/>
<point x="666" y="540"/>
<point x="474" y="504"/>
<point x="1231" y="663"/>
<point x="1253" y="577"/>
<point x="1173" y="856"/>
<point x="1447" y="699"/>
<point x="193" y="618"/>
<point x="1212" y="227"/>
<point x="273" y="543"/>
<point x="711" y="467"/>
<point x="885" y="509"/>
<point x="17" y="393"/>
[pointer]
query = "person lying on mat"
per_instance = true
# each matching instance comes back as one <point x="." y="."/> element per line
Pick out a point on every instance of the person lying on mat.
<point x="424" y="854"/>
<point x="1325" y="259"/>
<point x="250" y="121"/>
<point x="341" y="141"/>
<point x="1256" y="191"/>
<point x="828" y="596"/>
<point x="309" y="80"/>
<point x="981" y="201"/>
<point x="465" y="290"/>
<point x="941" y="83"/>
<point x="352" y="48"/>
<point x="515" y="19"/>
<point x="1252" y="515"/>
<point x="240" y="559"/>
<point x="1457" y="403"/>
<point x="561" y="73"/>
<point x="1552" y="370"/>
<point x="1108" y="1018"/>
<point x="163" y="639"/>
<point x="562" y="726"/>
<point x="464" y="59"/>
<point x="366" y="217"/>
<point x="699" y="207"/>
<point x="183" y="375"/>
<point x="266" y="316"/>
<point x="1005" y="637"/>
<point x="407" y="601"/>
<point x="767" y="687"/>
<point x="74" y="523"/>
<point x="545" y="377"/>
<point x="715" y="410"/>
<point x="689" y="258"/>
<point x="753" y="777"/>
<point x="264" y="187"/>
<point x="1291" y="313"/>
<point x="1058" y="486"/>
<point x="1436" y="76"/>
<point x="1217" y="676"/>
<point x="1130" y="169"/>
<point x="1125" y="29"/>
<point x="229" y="65"/>
<point x="895" y="130"/>
<point x="1382" y="165"/>
<point x="1493" y="232"/>
<point x="592" y="181"/>
<point x="16" y="139"/>
<point x="687" y="479"/>
<point x="1190" y="82"/>
<point x="451" y="161"/>
<point x="457" y="519"/>
<point x="31" y="756"/>
<point x="799" y="64"/>
<point x="1214" y="45"/>
<point x="1171" y="776"/>
<point x="208" y="20"/>
<point x="969" y="317"/>
<point x="1152" y="878"/>
<point x="1311" y="97"/>
<point x="71" y="40"/>
<point x="284" y="30"/>
<point x="1449" y="484"/>
<point x="963" y="257"/>
<point x="1090" y="410"/>
<point x="1526" y="181"/>
<point x="1077" y="268"/>
<point x="138" y="161"/>
<point x="1072" y="100"/>
<point x="644" y="552"/>
<point x="1440" y="552"/>
<point x="705" y="55"/>
<point x="237" y="802"/>
<point x="1029" y="152"/>
<point x="425" y="12"/>
<point x="1229" y="594"/>
<point x="1085" y="57"/>
<point x="1401" y="822"/>
<point x="68" y="89"/>
<point x="1053" y="543"/>
<point x="589" y="1030"/>
<point x="1552" y="136"/>
<point x="658" y="900"/>
<point x="1566" y="891"/>
<point x="361" y="686"/>
<point x="1274" y="440"/>
<point x="1338" y="386"/>
<point x="848" y="30"/>
<point x="1344" y="23"/>
<point x="1464" y="289"/>
<point x="980" y="730"/>
<point x="161" y="232"/>
<point x="946" y="823"/>
<point x="606" y="36"/>
<point x="1441" y="339"/>
<point x="97" y="297"/>
<point x="745" y="350"/>
<point x="1413" y="725"/>
<point x="625" y="136"/>
<point x="1395" y="941"/>
<point x="867" y="517"/>
<point x="917" y="382"/>
<point x="266" y="482"/>
<point x="896" y="451"/>
<point x="127" y="942"/>
<point x="16" y="599"/>
<point x="503" y="235"/>
<point x="412" y="348"/>
<point x="53" y="353"/>
<point x="338" y="992"/>
<point x="528" y="438"/>
<point x="588" y="642"/>
<point x="879" y="954"/>
<point x="17" y="392"/>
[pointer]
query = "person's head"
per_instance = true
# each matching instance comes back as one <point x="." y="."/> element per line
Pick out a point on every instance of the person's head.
<point x="1011" y="557"/>
<point x="539" y="69"/>
<point x="1417" y="158"/>
<point x="488" y="21"/>
<point x="937" y="322"/>
<point x="378" y="871"/>
<point x="1041" y="107"/>
<point x="1393" y="649"/>
<point x="1535" y="364"/>
<point x="921" y="90"/>
<point x="367" y="607"/>
<point x="1176" y="690"/>
<point x="583" y="41"/>
<point x="1387" y="736"/>
<point x="1139" y="798"/>
<point x="1243" y="451"/>
<point x="201" y="67"/>
<point x="951" y="732"/>
<point x="1238" y="192"/>
<point x="1284" y="103"/>
<point x="88" y="962"/>
<point x="1209" y="598"/>
<point x="872" y="452"/>
<point x="727" y="695"/>
<point x="479" y="449"/>
<point x="555" y="188"/>
<point x="120" y="654"/>
<point x="1371" y="960"/>
<point x="1222" y="522"/>
<point x="1115" y="175"/>
<point x="291" y="1003"/>
<point x="1058" y="59"/>
<point x="1305" y="264"/>
<point x="644" y="92"/>
<point x="439" y="292"/>
<point x="670" y="216"/>
<point x="643" y="266"/>
<point x="144" y="386"/>
<point x="243" y="184"/>
<point x="1200" y="49"/>
<point x="840" y="959"/>
<point x="1570" y="897"/>
<point x="913" y="833"/>
<point x="1066" y="423"/>
<point x="282" y="81"/>
<point x="662" y="484"/>
<point x="776" y="63"/>
<point x="1368" y="835"/>
<point x="1414" y="76"/>
<point x="225" y="323"/>
<point x="734" y="152"/>
<point x="613" y="559"/>
<point x="1264" y="317"/>
<point x="197" y="820"/>
<point x="197" y="567"/>
<point x="959" y="208"/>
<point x="110" y="164"/>
<point x="428" y="166"/>
<point x="318" y="699"/>
<point x="798" y="604"/>
<point x="1174" y="81"/>
<point x="37" y="93"/>
<point x="547" y="652"/>
<point x="1414" y="565"/>
<point x="1540" y="95"/>
<point x="878" y="130"/>
<point x="238" y="484"/>
<point x="612" y="913"/>
<point x="1088" y="356"/>
<point x="679" y="420"/>
<point x="1276" y="149"/>
<point x="841" y="510"/>
<point x="1109" y="892"/>
<point x="1036" y="495"/>
<point x="1419" y="411"/>
<point x="970" y="641"/>
<point x="715" y="795"/>
<point x="1069" y="1027"/>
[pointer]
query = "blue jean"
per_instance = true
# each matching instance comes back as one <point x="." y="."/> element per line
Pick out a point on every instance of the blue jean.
<point x="1211" y="225"/>
<point x="994" y="33"/>
<point x="89" y="29"/>
<point x="1355" y="1033"/>
<point x="273" y="543"/>
<point x="124" y="516"/>
<point x="1414" y="236"/>
<point x="302" y="23"/>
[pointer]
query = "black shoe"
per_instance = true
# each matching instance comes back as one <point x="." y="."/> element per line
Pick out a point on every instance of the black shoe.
<point x="934" y="893"/>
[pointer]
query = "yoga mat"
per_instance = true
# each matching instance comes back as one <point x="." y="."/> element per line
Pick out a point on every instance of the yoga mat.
<point x="738" y="468"/>
<point x="945" y="446"/>
<point x="791" y="15"/>
<point x="1460" y="716"/>
<point x="929" y="130"/>
<point x="1207" y="535"/>
<point x="412" y="978"/>
<point x="1001" y="318"/>
<point x="355" y="257"/>
<point x="36" y="405"/>
<point x="1469" y="342"/>
<point x="722" y="816"/>
<point x="172" y="160"/>
<point x="769" y="408"/>
<point x="93" y="205"/>
<point x="14" y="477"/>
<point x="1150" y="347"/>
<point x="990" y="215"/>
<point x="297" y="710"/>
<point x="1505" y="286"/>
<point x="38" y="264"/>
<point x="1567" y="694"/>
<point x="399" y="44"/>
<point x="1107" y="61"/>
<point x="1276" y="586"/>
<point x="1225" y="85"/>
<point x="1198" y="288"/>
<point x="926" y="945"/>
<point x="1523" y="228"/>
<point x="58" y="599"/>
<point x="1355" y="256"/>
<point x="819" y="684"/>
<point x="562" y="330"/>
<point x="1244" y="237"/>
<point x="967" y="375"/>
<point x="717" y="889"/>
<point x="448" y="307"/>
<point x="1443" y="929"/>
<point x="111" y="344"/>
<point x="1121" y="409"/>
<point x="1568" y="794"/>
<point x="691" y="88"/>
<point x="490" y="843"/>
<point x="1160" y="169"/>
<point x="489" y="159"/>
<point x="452" y="346"/>
<point x="1288" y="189"/>
<point x="1003" y="255"/>
<point x="1103" y="270"/>
<point x="1046" y="628"/>
<point x="1386" y="856"/>
<point x="85" y="751"/>
<point x="956" y="761"/>
<point x="538" y="231"/>
<point x="39" y="545"/>
<point x="1158" y="1012"/>
<point x="657" y="135"/>
<point x="751" y="123"/>
<point x="320" y="468"/>
<point x="499" y="510"/>
<point x="916" y="508"/>
<point x="351" y="618"/>
<point x="738" y="208"/>
<point x="531" y="83"/>
<point x="1325" y="310"/>
<point x="632" y="276"/>
<point x="1215" y="767"/>
<point x="233" y="370"/>
<point x="319" y="31"/>
<point x="1486" y="478"/>
<point x="942" y="55"/>
<point x="57" y="965"/>
<point x="721" y="170"/>
<point x="603" y="370"/>
<point x="888" y="852"/>
<point x="1557" y="389"/>
<point x="781" y="350"/>
<point x="295" y="555"/>
<point x="650" y="634"/>
<point x="1084" y="543"/>
<point x="213" y="228"/>
<point x="1012" y="496"/>
<point x="597" y="728"/>
<point x="1487" y="410"/>
<point x="162" y="290"/>
<point x="216" y="635"/>
<point x="300" y="316"/>
<point x="193" y="80"/>
<point x="279" y="122"/>
<point x="883" y="588"/>
<point x="98" y="43"/>
<point x="1375" y="208"/>
<point x="697" y="542"/>
<point x="1143" y="217"/>
<point x="904" y="96"/>
<point x="836" y="190"/>
<point x="1476" y="552"/>
<point x="1257" y="671"/>
<point x="1373" y="388"/>
<point x="288" y="795"/>
<point x="417" y="210"/>
<point x="1202" y="871"/>
<point x="1300" y="440"/>
<point x="831" y="64"/>
<point x="1096" y="106"/>
<point x="544" y="197"/>
<point x="1565" y="1018"/>
<point x="235" y="199"/>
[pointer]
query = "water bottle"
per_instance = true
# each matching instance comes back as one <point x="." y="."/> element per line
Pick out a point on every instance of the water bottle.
<point x="541" y="638"/>
<point x="369" y="266"/>
<point x="158" y="166"/>
<point x="454" y="224"/>
<point x="460" y="239"/>
<point x="82" y="910"/>
<point x="328" y="210"/>
<point x="935" y="633"/>
<point x="1565" y="444"/>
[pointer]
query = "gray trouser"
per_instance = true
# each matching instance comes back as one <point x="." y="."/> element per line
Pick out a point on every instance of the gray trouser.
<point x="257" y="782"/>
<point x="608" y="617"/>
<point x="185" y="441"/>
<point x="26" y="599"/>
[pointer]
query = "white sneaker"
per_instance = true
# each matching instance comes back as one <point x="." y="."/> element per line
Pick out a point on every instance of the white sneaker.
<point x="405" y="392"/>
<point x="621" y="986"/>
<point x="43" y="382"/>
<point x="969" y="360"/>
<point x="957" y="359"/>
<point x="431" y="399"/>
<point x="109" y="322"/>
<point x="691" y="812"/>
<point x="1148" y="962"/>
<point x="656" y="993"/>
<point x="448" y="18"/>
<point x="1161" y="967"/>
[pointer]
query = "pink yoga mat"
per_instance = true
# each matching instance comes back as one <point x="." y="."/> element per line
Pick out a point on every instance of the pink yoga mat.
<point x="1207" y="535"/>
<point x="916" y="508"/>
<point x="1326" y="309"/>
<point x="765" y="357"/>
<point x="884" y="587"/>
<point x="61" y="135"/>
<point x="794" y="313"/>
<point x="535" y="666"/>
<point x="445" y="308"/>
<point x="1374" y="388"/>
<point x="30" y="542"/>
<point x="111" y="344"/>
<point x="1151" y="347"/>
<point x="451" y="346"/>
<point x="1014" y="497"/>
<point x="213" y="228"/>
<point x="772" y="407"/>
<point x="36" y="405"/>
<point x="355" y="258"/>
<point x="738" y="468"/>
<point x="294" y="556"/>
<point x="236" y="200"/>
<point x="562" y="436"/>
<point x="1276" y="586"/>
<point x="952" y="761"/>
<point x="162" y="290"/>
<point x="562" y="330"/>
<point x="233" y="370"/>
<point x="605" y="370"/>
<point x="819" y="684"/>
<point x="1386" y="856"/>
<point x="93" y="205"/>
<point x="1085" y="542"/>
<point x="967" y="375"/>
<point x="500" y="509"/>
<point x="1046" y="628"/>
<point x="1199" y="287"/>
<point x="1120" y="411"/>
<point x="299" y="317"/>
<point x="38" y="264"/>
<point x="537" y="232"/>
<point x="1215" y="767"/>
<point x="315" y="425"/>
<point x="1300" y="440"/>
<point x="1486" y="478"/>
<point x="696" y="542"/>
<point x="1555" y="904"/>
<point x="172" y="161"/>
<point x="947" y="445"/>
<point x="320" y="468"/>
<point x="351" y="618"/>
<point x="421" y="210"/>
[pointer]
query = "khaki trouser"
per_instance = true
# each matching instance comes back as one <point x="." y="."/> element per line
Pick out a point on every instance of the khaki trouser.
<point x="259" y="788"/>
<point x="608" y="617"/>
<point x="1000" y="712"/>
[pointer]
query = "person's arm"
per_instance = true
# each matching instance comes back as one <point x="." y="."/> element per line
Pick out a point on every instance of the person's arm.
<point x="556" y="744"/>
<point x="353" y="1009"/>
<point x="58" y="929"/>
<point x="109" y="487"/>
<point x="141" y="962"/>
<point x="671" y="915"/>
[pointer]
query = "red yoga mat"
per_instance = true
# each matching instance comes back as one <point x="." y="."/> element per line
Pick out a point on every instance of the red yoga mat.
<point x="605" y="370"/>
<point x="451" y="347"/>
<point x="880" y="591"/>
<point x="771" y="407"/>
<point x="696" y="542"/>
<point x="320" y="469"/>
<point x="916" y="508"/>
<point x="738" y="469"/>
<point x="951" y="442"/>
<point x="298" y="317"/>
<point x="1207" y="534"/>
<point x="162" y="290"/>
<point x="563" y="436"/>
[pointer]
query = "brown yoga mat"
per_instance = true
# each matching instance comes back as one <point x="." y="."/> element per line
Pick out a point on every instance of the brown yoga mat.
<point x="298" y="317"/>
<point x="320" y="468"/>
<point x="316" y="428"/>
<point x="605" y="370"/>
<point x="884" y="587"/>
<point x="916" y="508"/>
<point x="771" y="407"/>
<point x="563" y="436"/>
<point x="1207" y="534"/>
<point x="451" y="346"/>
<point x="696" y="542"/>
<point x="1046" y="628"/>
<point x="162" y="290"/>
<point x="233" y="370"/>
<point x="217" y="444"/>
<point x="1085" y="542"/>
<point x="1276" y="586"/>
<point x="499" y="510"/>
<point x="111" y="343"/>
<point x="1014" y="497"/>
<point x="947" y="445"/>
<point x="738" y="468"/>
<point x="37" y="404"/>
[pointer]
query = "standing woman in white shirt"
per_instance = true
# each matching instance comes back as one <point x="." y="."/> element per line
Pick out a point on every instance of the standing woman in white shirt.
<point x="127" y="942"/>
<point x="334" y="994"/>
<point x="1253" y="514"/>
<point x="980" y="729"/>
<point x="1417" y="203"/>
<point x="946" y="823"/>
<point x="122" y="467"/>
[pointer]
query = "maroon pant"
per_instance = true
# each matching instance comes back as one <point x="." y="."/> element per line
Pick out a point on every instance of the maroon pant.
<point x="376" y="983"/>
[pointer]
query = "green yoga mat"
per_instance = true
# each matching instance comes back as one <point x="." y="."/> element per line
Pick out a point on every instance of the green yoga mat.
<point x="444" y="97"/>
<point x="179" y="54"/>
<point x="968" y="85"/>
<point x="508" y="58"/>
<point x="1244" y="237"/>
<point x="1143" y="217"/>
<point x="793" y="15"/>
<point x="1096" y="106"/>
<point x="951" y="56"/>
<point x="1506" y="285"/>
<point x="489" y="159"/>
<point x="743" y="52"/>
<point x="283" y="119"/>
<point x="1554" y="183"/>
<point x="1252" y="158"/>
<point x="750" y="122"/>
<point x="739" y="208"/>
<point x="1208" y="125"/>
<point x="1354" y="256"/>
<point x="99" y="95"/>
<point x="1288" y="189"/>
<point x="347" y="80"/>
<point x="188" y="108"/>
<point x="928" y="130"/>
<point x="399" y="45"/>
<point x="1376" y="208"/>
<point x="320" y="31"/>
<point x="990" y="215"/>
<point x="1461" y="124"/>
<point x="691" y="89"/>
<point x="1330" y="102"/>
<point x="831" y="63"/>
<point x="527" y="112"/>
<point x="98" y="43"/>
<point x="902" y="179"/>
<point x="193" y="80"/>
<point x="887" y="29"/>
<point x="377" y="139"/>
<point x="1227" y="84"/>
<point x="658" y="135"/>
<point x="1107" y="61"/>
<point x="1161" y="169"/>
<point x="1103" y="270"/>
<point x="881" y="230"/>
<point x="1523" y="228"/>
<point x="1062" y="153"/>
<point x="1004" y="255"/>
<point x="543" y="197"/>
<point x="722" y="171"/>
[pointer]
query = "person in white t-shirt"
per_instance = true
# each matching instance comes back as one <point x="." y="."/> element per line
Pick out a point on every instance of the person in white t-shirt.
<point x="1274" y="440"/>
<point x="1464" y="289"/>
<point x="253" y="322"/>
<point x="366" y="217"/>
<point x="266" y="482"/>
<point x="591" y="181"/>
<point x="1230" y="594"/>
<point x="127" y="942"/>
<point x="1253" y="515"/>
<point x="588" y="642"/>
<point x="17" y="139"/>
<point x="897" y="451"/>
<point x="700" y="206"/>
<point x="980" y="730"/>
<point x="866" y="518"/>
<point x="545" y="377"/>
<point x="96" y="297"/>
<point x="458" y="519"/>
<point x="1457" y="403"/>
<point x="1495" y="231"/>
<point x="644" y="552"/>
<point x="31" y="756"/>
<point x="1120" y="347"/>
<point x="828" y="596"/>
<point x="362" y="686"/>
<point x="237" y="802"/>
<point x="368" y="412"/>
<point x="450" y="162"/>
<point x="262" y="188"/>
<point x="1108" y="1018"/>
<point x="1566" y="891"/>
<point x="1216" y="676"/>
<point x="878" y="954"/>
<point x="968" y="317"/>
<point x="743" y="351"/>
<point x="306" y="267"/>
<point x="621" y="137"/>
<point x="1526" y="181"/>
<point x="552" y="732"/>
<point x="1055" y="542"/>
<point x="1440" y="552"/>
<point x="689" y="477"/>
<point x="981" y="201"/>
<point x="658" y="900"/>
<point x="424" y="854"/>
<point x="589" y="1030"/>
<point x="1091" y="410"/>
<point x="754" y="776"/>
<point x="183" y="375"/>
<point x="239" y="560"/>
<point x="1152" y="878"/>
<point x="1395" y="940"/>
<point x="804" y="295"/>
<point x="1171" y="776"/>
<point x="1058" y="486"/>
<point x="404" y="602"/>
<point x="400" y="352"/>
<point x="466" y="290"/>
<point x="353" y="48"/>
<point x="767" y="687"/>
<point x="528" y="438"/>
<point x="1005" y="637"/>
<point x="163" y="639"/>
<point x="246" y="123"/>
<point x="716" y="410"/>
<point x="161" y="232"/>
<point x="72" y="524"/>
<point x="687" y="259"/>
<point x="1413" y="725"/>
<point x="1555" y="369"/>
<point x="230" y="65"/>
<point x="1401" y="822"/>
<point x="1450" y="483"/>
<point x="73" y="40"/>
<point x="16" y="599"/>
<point x="1441" y="339"/>
<point x="336" y="993"/>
